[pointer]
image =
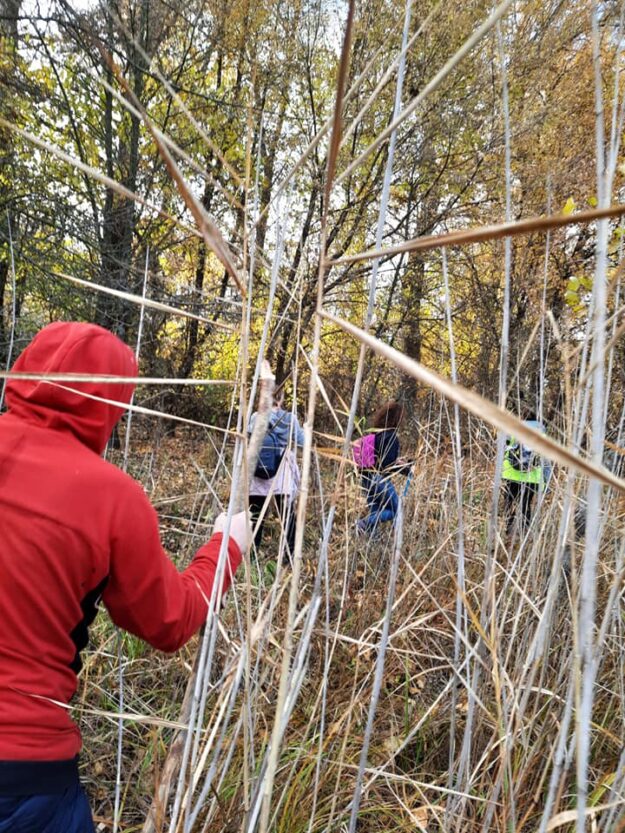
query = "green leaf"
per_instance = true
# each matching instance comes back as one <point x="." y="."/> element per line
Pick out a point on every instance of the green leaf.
<point x="593" y="201"/>
<point x="571" y="298"/>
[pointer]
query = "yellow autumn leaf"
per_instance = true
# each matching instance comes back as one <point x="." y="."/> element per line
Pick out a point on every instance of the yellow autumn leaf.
<point x="569" y="206"/>
<point x="420" y="817"/>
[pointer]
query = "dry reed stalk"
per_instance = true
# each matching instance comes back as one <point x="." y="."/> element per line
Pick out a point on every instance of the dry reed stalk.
<point x="104" y="378"/>
<point x="275" y="271"/>
<point x="171" y="144"/>
<point x="137" y="354"/>
<point x="13" y="309"/>
<point x="180" y="103"/>
<point x="379" y="667"/>
<point x="543" y="316"/>
<point x="139" y="409"/>
<point x="155" y="818"/>
<point x="398" y="64"/>
<point x="489" y="232"/>
<point x="176" y="751"/>
<point x="324" y="129"/>
<point x="141" y="301"/>
<point x="199" y="678"/>
<point x="488" y="612"/>
<point x="460" y="624"/>
<point x="120" y="726"/>
<point x="588" y="591"/>
<point x="199" y="681"/>
<point x="609" y="347"/>
<point x="481" y="407"/>
<point x="245" y="406"/>
<point x="382" y="212"/>
<point x="208" y="229"/>
<point x="430" y="87"/>
<point x="278" y="727"/>
<point x="94" y="174"/>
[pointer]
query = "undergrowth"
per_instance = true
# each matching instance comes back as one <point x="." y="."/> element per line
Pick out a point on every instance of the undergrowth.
<point x="410" y="779"/>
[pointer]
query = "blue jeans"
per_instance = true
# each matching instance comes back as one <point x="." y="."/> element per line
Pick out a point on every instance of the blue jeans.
<point x="382" y="501"/>
<point x="66" y="812"/>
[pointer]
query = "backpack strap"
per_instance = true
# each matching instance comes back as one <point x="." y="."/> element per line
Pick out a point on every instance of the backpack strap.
<point x="273" y="425"/>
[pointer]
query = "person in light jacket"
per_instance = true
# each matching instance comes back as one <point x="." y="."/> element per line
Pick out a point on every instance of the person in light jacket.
<point x="279" y="482"/>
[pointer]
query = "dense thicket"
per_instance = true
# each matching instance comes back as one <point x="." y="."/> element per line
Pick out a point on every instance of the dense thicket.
<point x="494" y="639"/>
<point x="258" y="81"/>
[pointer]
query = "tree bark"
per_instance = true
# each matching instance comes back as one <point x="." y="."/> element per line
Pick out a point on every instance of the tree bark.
<point x="119" y="215"/>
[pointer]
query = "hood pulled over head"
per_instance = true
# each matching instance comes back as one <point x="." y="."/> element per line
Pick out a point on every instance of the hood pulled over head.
<point x="73" y="347"/>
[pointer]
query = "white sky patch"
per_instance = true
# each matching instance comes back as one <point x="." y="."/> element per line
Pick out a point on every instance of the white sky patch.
<point x="43" y="8"/>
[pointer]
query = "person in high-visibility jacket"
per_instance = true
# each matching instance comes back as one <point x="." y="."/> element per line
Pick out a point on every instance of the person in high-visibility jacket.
<point x="523" y="475"/>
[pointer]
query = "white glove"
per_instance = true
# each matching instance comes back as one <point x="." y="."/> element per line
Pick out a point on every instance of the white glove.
<point x="240" y="529"/>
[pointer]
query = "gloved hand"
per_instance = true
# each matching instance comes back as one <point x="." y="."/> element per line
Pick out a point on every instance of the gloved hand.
<point x="240" y="529"/>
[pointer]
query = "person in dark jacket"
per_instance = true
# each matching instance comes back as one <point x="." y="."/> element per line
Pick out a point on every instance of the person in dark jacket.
<point x="524" y="475"/>
<point x="382" y="498"/>
<point x="76" y="530"/>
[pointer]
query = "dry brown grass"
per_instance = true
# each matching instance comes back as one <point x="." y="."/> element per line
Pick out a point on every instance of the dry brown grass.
<point x="406" y="779"/>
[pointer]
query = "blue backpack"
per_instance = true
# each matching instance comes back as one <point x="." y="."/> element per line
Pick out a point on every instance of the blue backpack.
<point x="270" y="455"/>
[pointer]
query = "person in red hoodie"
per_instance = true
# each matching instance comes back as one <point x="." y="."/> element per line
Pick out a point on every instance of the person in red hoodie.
<point x="75" y="529"/>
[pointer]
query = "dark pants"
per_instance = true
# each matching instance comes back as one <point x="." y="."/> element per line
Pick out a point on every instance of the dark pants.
<point x="382" y="501"/>
<point x="286" y="510"/>
<point x="66" y="812"/>
<point x="519" y="496"/>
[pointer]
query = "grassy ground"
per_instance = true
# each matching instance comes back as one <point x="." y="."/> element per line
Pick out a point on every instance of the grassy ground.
<point x="506" y="708"/>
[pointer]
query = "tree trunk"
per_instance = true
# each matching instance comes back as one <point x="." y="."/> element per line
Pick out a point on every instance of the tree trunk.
<point x="119" y="215"/>
<point x="412" y="297"/>
<point x="280" y="359"/>
<point x="190" y="355"/>
<point x="9" y="13"/>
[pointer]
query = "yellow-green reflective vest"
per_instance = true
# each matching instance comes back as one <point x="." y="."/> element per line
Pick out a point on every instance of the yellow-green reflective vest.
<point x="533" y="475"/>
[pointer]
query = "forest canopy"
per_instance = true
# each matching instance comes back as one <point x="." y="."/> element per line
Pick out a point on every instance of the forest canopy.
<point x="241" y="90"/>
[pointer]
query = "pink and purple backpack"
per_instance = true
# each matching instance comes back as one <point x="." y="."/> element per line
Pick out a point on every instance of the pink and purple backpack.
<point x="364" y="452"/>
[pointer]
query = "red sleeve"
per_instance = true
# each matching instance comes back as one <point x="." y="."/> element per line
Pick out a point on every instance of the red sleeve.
<point x="146" y="594"/>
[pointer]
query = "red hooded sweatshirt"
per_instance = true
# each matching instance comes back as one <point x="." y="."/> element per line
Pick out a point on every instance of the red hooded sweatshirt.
<point x="74" y="528"/>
